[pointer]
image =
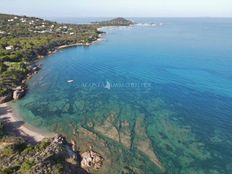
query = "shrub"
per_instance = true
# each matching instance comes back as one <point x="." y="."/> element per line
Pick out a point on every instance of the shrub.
<point x="26" y="166"/>
<point x="42" y="145"/>
<point x="18" y="146"/>
<point x="9" y="170"/>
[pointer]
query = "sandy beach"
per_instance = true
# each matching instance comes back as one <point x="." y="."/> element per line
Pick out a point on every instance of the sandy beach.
<point x="18" y="127"/>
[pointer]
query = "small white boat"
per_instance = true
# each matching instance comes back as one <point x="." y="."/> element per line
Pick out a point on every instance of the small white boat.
<point x="70" y="81"/>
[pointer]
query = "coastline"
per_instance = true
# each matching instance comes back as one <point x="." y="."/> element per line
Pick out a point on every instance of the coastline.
<point x="8" y="114"/>
<point x="34" y="63"/>
<point x="71" y="45"/>
<point x="19" y="127"/>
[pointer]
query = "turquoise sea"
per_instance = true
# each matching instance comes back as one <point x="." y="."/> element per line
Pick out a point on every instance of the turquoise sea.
<point x="151" y="98"/>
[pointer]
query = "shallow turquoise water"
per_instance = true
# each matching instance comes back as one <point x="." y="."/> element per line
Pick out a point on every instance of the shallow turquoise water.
<point x="175" y="77"/>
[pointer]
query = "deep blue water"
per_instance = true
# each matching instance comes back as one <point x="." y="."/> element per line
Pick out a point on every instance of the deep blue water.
<point x="176" y="76"/>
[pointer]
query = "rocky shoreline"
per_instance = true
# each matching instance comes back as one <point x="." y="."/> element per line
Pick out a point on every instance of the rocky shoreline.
<point x="56" y="145"/>
<point x="51" y="155"/>
<point x="20" y="91"/>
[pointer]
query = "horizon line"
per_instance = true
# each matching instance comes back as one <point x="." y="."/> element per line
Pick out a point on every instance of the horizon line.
<point x="40" y="16"/>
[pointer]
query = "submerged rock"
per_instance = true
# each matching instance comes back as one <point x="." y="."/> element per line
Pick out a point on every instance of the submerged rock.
<point x="86" y="133"/>
<point x="108" y="129"/>
<point x="115" y="129"/>
<point x="144" y="144"/>
<point x="125" y="134"/>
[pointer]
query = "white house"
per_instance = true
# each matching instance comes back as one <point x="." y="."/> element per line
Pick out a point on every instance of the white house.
<point x="9" y="47"/>
<point x="2" y="32"/>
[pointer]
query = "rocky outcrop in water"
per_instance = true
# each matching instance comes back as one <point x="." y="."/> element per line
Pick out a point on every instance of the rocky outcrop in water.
<point x="19" y="92"/>
<point x="91" y="159"/>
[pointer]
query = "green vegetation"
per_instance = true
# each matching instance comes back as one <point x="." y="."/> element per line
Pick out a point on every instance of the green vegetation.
<point x="13" y="145"/>
<point x="20" y="157"/>
<point x="26" y="166"/>
<point x="24" y="39"/>
<point x="9" y="170"/>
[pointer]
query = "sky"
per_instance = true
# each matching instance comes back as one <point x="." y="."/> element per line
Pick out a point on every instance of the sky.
<point x="115" y="8"/>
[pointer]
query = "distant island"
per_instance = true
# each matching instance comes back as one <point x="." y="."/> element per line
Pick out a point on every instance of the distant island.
<point x="115" y="22"/>
<point x="24" y="40"/>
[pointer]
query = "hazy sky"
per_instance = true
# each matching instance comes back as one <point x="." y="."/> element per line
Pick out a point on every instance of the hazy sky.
<point x="113" y="8"/>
